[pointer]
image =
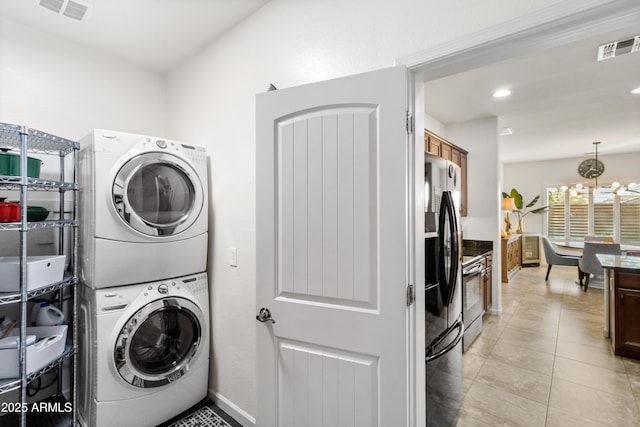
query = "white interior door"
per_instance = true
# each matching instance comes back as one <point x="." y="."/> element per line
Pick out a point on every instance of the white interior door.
<point x="332" y="219"/>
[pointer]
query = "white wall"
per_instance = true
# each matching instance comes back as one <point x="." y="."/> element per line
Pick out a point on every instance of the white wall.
<point x="66" y="89"/>
<point x="212" y="103"/>
<point x="434" y="125"/>
<point x="63" y="88"/>
<point x="532" y="178"/>
<point x="484" y="170"/>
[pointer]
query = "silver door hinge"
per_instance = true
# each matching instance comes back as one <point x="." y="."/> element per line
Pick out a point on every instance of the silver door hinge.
<point x="411" y="294"/>
<point x="409" y="123"/>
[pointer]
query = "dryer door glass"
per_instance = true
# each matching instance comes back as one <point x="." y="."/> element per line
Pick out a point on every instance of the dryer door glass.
<point x="161" y="194"/>
<point x="158" y="344"/>
<point x="157" y="194"/>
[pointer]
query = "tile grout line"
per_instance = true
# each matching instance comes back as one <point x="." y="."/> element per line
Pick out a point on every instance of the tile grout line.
<point x="555" y="354"/>
<point x="576" y="310"/>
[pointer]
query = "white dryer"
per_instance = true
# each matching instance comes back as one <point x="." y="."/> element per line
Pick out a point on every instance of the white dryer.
<point x="143" y="351"/>
<point x="143" y="209"/>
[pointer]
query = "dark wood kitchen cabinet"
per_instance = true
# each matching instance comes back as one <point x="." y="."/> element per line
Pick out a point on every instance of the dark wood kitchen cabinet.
<point x="445" y="151"/>
<point x="463" y="184"/>
<point x="486" y="280"/>
<point x="432" y="144"/>
<point x="626" y="339"/>
<point x="438" y="146"/>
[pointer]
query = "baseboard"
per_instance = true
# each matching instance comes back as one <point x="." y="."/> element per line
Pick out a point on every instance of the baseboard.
<point x="232" y="409"/>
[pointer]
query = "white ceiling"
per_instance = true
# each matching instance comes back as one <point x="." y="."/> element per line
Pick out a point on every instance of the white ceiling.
<point x="157" y="34"/>
<point x="561" y="101"/>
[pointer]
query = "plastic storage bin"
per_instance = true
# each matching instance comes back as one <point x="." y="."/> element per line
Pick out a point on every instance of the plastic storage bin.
<point x="10" y="165"/>
<point x="41" y="271"/>
<point x="48" y="346"/>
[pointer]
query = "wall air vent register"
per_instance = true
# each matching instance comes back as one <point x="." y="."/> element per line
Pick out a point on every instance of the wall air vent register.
<point x="613" y="49"/>
<point x="70" y="8"/>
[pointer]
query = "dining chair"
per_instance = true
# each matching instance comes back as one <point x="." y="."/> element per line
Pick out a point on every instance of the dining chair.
<point x="556" y="256"/>
<point x="589" y="263"/>
<point x="601" y="239"/>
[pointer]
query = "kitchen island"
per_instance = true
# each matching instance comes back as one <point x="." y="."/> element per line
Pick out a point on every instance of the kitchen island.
<point x="622" y="303"/>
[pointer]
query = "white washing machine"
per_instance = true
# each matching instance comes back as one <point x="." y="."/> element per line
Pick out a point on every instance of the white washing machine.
<point x="143" y="351"/>
<point x="143" y="208"/>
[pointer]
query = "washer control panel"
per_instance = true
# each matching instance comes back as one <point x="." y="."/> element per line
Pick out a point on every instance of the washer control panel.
<point x="119" y="298"/>
<point x="197" y="284"/>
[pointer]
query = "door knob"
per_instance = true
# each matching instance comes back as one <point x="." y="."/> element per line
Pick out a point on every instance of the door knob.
<point x="264" y="315"/>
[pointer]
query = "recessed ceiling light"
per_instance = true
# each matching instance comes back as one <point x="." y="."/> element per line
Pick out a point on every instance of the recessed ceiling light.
<point x="506" y="131"/>
<point x="636" y="91"/>
<point x="501" y="93"/>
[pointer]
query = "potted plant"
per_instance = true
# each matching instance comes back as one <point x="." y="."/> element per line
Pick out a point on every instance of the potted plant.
<point x="523" y="210"/>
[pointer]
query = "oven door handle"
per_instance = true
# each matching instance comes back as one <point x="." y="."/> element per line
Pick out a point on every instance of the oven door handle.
<point x="459" y="326"/>
<point x="473" y="270"/>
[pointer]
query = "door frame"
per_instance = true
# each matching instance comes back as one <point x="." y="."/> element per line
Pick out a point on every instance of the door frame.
<point x="546" y="29"/>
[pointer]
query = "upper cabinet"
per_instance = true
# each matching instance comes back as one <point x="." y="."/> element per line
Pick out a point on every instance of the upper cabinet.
<point x="463" y="186"/>
<point x="432" y="144"/>
<point x="440" y="147"/>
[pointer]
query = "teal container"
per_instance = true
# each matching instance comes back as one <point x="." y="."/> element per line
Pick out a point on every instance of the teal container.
<point x="37" y="213"/>
<point x="10" y="165"/>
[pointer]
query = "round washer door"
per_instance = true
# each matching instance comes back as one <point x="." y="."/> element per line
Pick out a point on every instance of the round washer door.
<point x="160" y="342"/>
<point x="157" y="194"/>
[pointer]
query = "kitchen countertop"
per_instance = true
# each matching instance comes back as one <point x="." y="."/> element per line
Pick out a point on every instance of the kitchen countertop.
<point x="474" y="250"/>
<point x="620" y="262"/>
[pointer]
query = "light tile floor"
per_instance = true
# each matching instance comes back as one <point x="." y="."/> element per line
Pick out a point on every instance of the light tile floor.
<point x="545" y="361"/>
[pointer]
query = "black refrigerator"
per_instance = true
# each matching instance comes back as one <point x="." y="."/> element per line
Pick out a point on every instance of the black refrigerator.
<point x="443" y="294"/>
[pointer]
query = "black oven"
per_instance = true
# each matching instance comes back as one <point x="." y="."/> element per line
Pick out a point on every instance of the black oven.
<point x="472" y="301"/>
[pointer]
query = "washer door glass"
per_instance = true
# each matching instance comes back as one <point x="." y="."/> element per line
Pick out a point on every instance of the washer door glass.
<point x="159" y="342"/>
<point x="157" y="194"/>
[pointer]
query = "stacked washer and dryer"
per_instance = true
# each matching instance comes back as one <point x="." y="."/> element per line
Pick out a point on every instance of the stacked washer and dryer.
<point x="144" y="306"/>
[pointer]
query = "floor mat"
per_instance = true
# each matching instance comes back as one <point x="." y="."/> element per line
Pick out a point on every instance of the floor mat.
<point x="203" y="417"/>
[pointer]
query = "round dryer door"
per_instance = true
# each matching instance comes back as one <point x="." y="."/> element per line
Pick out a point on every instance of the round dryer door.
<point x="159" y="343"/>
<point x="157" y="194"/>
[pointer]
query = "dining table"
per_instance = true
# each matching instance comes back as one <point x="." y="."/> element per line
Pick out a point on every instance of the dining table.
<point x="578" y="246"/>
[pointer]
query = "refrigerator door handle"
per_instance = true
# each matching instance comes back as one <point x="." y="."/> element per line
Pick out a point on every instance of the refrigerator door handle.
<point x="459" y="326"/>
<point x="448" y="211"/>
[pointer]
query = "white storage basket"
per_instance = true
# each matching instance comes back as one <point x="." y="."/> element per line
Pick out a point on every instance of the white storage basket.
<point x="49" y="345"/>
<point x="41" y="271"/>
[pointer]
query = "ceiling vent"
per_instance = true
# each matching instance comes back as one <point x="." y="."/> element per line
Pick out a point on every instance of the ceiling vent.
<point x="70" y="8"/>
<point x="613" y="49"/>
<point x="54" y="5"/>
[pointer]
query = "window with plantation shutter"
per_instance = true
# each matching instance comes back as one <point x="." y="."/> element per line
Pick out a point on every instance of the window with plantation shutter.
<point x="578" y="214"/>
<point x="578" y="221"/>
<point x="615" y="210"/>
<point x="630" y="218"/>
<point x="555" y="214"/>
<point x="603" y="221"/>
